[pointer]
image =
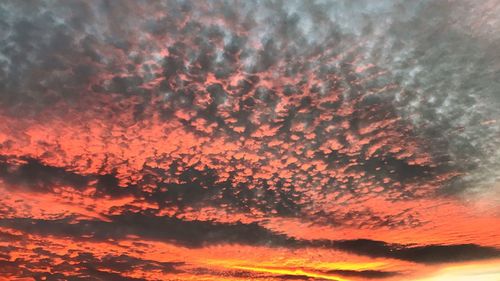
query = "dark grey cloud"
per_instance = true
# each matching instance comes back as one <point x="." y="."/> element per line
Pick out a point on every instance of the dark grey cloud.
<point x="185" y="233"/>
<point x="197" y="188"/>
<point x="83" y="266"/>
<point x="370" y="274"/>
<point x="298" y="277"/>
<point x="124" y="263"/>
<point x="89" y="274"/>
<point x="429" y="254"/>
<point x="202" y="233"/>
<point x="32" y="174"/>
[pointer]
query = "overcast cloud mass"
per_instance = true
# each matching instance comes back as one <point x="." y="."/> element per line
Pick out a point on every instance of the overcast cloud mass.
<point x="250" y="140"/>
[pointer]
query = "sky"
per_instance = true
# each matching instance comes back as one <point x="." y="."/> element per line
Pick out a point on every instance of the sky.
<point x="250" y="140"/>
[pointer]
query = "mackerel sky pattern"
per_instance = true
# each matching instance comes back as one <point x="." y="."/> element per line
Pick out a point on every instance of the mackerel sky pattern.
<point x="250" y="140"/>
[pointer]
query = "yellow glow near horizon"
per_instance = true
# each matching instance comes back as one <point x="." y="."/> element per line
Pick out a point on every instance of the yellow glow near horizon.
<point x="469" y="272"/>
<point x="231" y="263"/>
<point x="295" y="272"/>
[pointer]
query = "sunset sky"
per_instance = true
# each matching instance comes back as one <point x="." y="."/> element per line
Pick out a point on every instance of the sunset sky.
<point x="250" y="140"/>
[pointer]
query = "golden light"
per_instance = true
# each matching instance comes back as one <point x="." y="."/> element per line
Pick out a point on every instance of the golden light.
<point x="469" y="272"/>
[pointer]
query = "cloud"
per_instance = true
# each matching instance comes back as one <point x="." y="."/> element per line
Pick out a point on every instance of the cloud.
<point x="364" y="273"/>
<point x="37" y="177"/>
<point x="84" y="266"/>
<point x="205" y="233"/>
<point x="429" y="254"/>
<point x="226" y="122"/>
<point x="185" y="233"/>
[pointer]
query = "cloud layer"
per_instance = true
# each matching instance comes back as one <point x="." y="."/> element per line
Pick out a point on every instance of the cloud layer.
<point x="236" y="140"/>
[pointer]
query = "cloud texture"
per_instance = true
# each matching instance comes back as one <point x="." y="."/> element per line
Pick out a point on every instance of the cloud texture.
<point x="236" y="140"/>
